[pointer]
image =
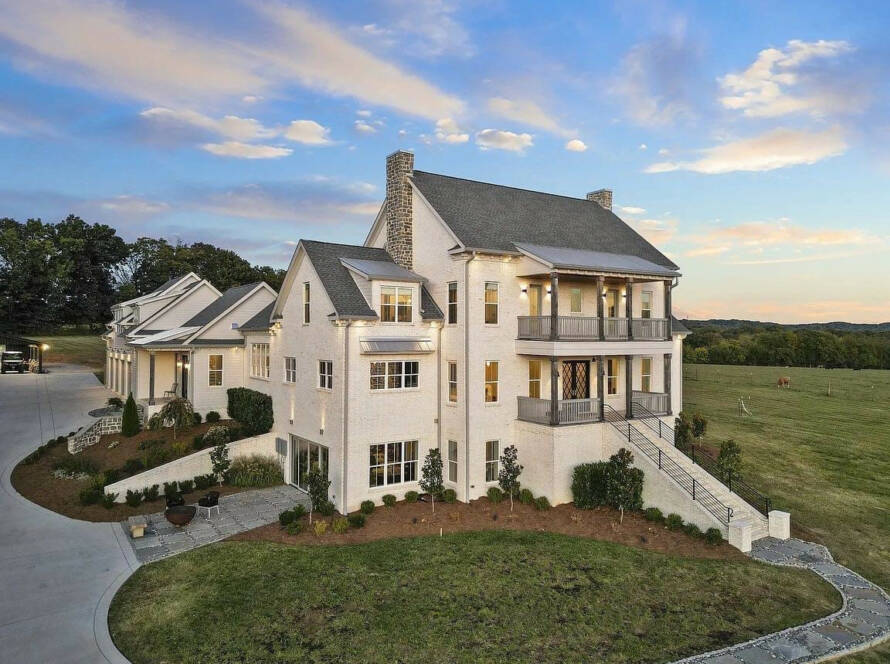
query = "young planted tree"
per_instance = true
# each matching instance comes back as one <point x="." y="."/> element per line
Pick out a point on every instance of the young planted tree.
<point x="683" y="432"/>
<point x="317" y="484"/>
<point x="729" y="461"/>
<point x="625" y="483"/>
<point x="699" y="426"/>
<point x="508" y="476"/>
<point x="431" y="475"/>
<point x="219" y="459"/>
<point x="130" y="419"/>
<point x="178" y="411"/>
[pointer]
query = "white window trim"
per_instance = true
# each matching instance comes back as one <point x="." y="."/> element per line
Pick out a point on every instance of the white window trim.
<point x="267" y="363"/>
<point x="496" y="462"/>
<point x="386" y="375"/>
<point x="397" y="289"/>
<point x="386" y="484"/>
<point x="448" y="384"/>
<point x="454" y="461"/>
<point x="307" y="303"/>
<point x="497" y="304"/>
<point x="329" y="377"/>
<point x="448" y="303"/>
<point x="286" y="381"/>
<point x="222" y="375"/>
<point x="497" y="382"/>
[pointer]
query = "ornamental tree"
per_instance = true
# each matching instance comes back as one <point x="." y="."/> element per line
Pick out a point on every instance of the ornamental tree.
<point x="729" y="461"/>
<point x="317" y="484"/>
<point x="431" y="475"/>
<point x="508" y="476"/>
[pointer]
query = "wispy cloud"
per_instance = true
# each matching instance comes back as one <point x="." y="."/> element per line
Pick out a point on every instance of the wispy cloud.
<point x="498" y="139"/>
<point x="778" y="148"/>
<point x="527" y="112"/>
<point x="448" y="131"/>
<point x="246" y="150"/>
<point x="576" y="145"/>
<point x="229" y="126"/>
<point x="631" y="209"/>
<point x="307" y="132"/>
<point x="658" y="231"/>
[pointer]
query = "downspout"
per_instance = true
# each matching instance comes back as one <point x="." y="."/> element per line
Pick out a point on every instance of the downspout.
<point x="467" y="377"/>
<point x="439" y="389"/>
<point x="344" y="430"/>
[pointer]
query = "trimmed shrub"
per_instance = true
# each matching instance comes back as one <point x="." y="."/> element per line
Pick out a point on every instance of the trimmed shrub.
<point x="411" y="496"/>
<point x="115" y="402"/>
<point x="299" y="511"/>
<point x="389" y="500"/>
<point x="674" y="521"/>
<point x="89" y="495"/>
<point x="367" y="506"/>
<point x="197" y="442"/>
<point x="196" y="418"/>
<point x="614" y="483"/>
<point x="133" y="498"/>
<point x="133" y="466"/>
<point x="76" y="465"/>
<point x="327" y="508"/>
<point x="130" y="424"/>
<point x="713" y="536"/>
<point x="294" y="528"/>
<point x="108" y="500"/>
<point x="151" y="443"/>
<point x="170" y="488"/>
<point x="340" y="525"/>
<point x="150" y="493"/>
<point x="286" y="518"/>
<point x="236" y="432"/>
<point x="692" y="530"/>
<point x="110" y="476"/>
<point x="216" y="435"/>
<point x="255" y="470"/>
<point x="186" y="486"/>
<point x="356" y="520"/>
<point x="155" y="422"/>
<point x="449" y="496"/>
<point x="589" y="484"/>
<point x="494" y="494"/>
<point x="204" y="481"/>
<point x="541" y="503"/>
<point x="212" y="416"/>
<point x="252" y="409"/>
<point x="653" y="514"/>
<point x="320" y="528"/>
<point x="526" y="497"/>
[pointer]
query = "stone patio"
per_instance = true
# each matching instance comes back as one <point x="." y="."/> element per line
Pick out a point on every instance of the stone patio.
<point x="863" y="620"/>
<point x="237" y="513"/>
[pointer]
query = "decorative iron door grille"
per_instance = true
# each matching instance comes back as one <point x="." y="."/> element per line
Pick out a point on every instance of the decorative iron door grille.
<point x="575" y="380"/>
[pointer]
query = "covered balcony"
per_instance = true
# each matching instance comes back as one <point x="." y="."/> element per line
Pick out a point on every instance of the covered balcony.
<point x="567" y="411"/>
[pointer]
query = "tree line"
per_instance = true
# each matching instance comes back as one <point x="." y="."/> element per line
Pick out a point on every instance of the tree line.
<point x="778" y="345"/>
<point x="69" y="274"/>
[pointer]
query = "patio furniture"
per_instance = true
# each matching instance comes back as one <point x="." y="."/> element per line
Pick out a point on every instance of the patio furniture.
<point x="175" y="500"/>
<point x="180" y="515"/>
<point x="209" y="502"/>
<point x="172" y="391"/>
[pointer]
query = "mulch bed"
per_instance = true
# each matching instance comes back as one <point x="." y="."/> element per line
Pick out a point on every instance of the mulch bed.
<point x="36" y="482"/>
<point x="417" y="519"/>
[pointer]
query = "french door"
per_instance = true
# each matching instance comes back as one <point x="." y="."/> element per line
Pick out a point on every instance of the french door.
<point x="305" y="455"/>
<point x="575" y="379"/>
<point x="535" y="300"/>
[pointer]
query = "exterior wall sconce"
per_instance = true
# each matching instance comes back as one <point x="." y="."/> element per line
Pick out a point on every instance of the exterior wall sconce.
<point x="524" y="290"/>
<point x="179" y="365"/>
<point x="549" y="290"/>
<point x="321" y="432"/>
<point x="188" y="366"/>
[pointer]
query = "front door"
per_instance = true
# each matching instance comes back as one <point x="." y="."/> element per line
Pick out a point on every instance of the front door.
<point x="535" y="300"/>
<point x="575" y="379"/>
<point x="184" y="376"/>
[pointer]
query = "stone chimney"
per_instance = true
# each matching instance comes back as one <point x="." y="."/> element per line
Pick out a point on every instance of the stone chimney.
<point x="601" y="196"/>
<point x="399" y="218"/>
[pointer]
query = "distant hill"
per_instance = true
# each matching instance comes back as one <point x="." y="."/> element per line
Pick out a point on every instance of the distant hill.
<point x="735" y="323"/>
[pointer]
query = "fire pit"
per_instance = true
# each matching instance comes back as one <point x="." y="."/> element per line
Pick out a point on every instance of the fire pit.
<point x="180" y="515"/>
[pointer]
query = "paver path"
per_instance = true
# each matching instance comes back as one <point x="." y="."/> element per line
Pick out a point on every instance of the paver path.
<point x="862" y="622"/>
<point x="237" y="513"/>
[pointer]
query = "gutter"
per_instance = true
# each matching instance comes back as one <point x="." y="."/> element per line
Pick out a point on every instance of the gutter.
<point x="344" y="433"/>
<point x="467" y="377"/>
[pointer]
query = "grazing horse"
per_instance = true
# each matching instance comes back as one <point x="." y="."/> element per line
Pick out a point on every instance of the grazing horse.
<point x="784" y="381"/>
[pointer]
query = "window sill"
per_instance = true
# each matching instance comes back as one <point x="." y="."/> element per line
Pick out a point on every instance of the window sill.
<point x="452" y="404"/>
<point x="267" y="380"/>
<point x="389" y="487"/>
<point x="491" y="403"/>
<point x="397" y="390"/>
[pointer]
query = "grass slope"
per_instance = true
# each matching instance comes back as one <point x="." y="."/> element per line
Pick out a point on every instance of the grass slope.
<point x="825" y="459"/>
<point x="472" y="597"/>
<point x="86" y="350"/>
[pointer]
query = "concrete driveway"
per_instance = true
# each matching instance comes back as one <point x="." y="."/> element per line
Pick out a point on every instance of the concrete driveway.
<point x="57" y="574"/>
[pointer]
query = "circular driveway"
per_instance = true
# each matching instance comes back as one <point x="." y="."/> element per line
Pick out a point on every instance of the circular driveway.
<point x="57" y="574"/>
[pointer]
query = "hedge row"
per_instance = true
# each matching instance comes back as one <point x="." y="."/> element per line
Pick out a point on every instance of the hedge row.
<point x="252" y="409"/>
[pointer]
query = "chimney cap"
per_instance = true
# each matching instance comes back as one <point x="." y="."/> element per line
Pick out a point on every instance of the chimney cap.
<point x="601" y="196"/>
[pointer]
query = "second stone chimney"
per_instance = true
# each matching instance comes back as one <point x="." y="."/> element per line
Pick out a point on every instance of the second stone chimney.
<point x="601" y="196"/>
<point x="399" y="217"/>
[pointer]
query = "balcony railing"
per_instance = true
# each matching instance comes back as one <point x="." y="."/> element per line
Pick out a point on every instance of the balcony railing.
<point x="569" y="411"/>
<point x="587" y="328"/>
<point x="658" y="403"/>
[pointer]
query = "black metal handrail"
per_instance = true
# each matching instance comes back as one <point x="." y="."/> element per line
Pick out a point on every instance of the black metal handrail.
<point x="759" y="501"/>
<point x="723" y="513"/>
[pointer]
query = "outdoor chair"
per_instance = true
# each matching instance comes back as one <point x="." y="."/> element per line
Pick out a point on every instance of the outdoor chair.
<point x="209" y="502"/>
<point x="175" y="500"/>
<point x="172" y="391"/>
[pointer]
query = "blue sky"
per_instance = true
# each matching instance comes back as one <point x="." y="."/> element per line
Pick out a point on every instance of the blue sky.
<point x="750" y="141"/>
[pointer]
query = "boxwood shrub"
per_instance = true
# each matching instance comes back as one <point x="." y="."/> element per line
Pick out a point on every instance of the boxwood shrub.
<point x="674" y="521"/>
<point x="494" y="494"/>
<point x="356" y="520"/>
<point x="449" y="496"/>
<point x="252" y="409"/>
<point x="389" y="500"/>
<point x="542" y="503"/>
<point x="367" y="506"/>
<point x="411" y="496"/>
<point x="590" y="484"/>
<point x="526" y="497"/>
<point x="713" y="536"/>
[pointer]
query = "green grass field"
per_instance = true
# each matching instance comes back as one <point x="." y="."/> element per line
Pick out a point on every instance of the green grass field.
<point x="88" y="351"/>
<point x="496" y="596"/>
<point x="824" y="459"/>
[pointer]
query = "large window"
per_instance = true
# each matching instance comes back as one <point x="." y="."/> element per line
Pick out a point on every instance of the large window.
<point x="612" y="303"/>
<point x="306" y="303"/>
<point x="290" y="370"/>
<point x="452" y="303"/>
<point x="393" y="463"/>
<point x="491" y="381"/>
<point x="491" y="303"/>
<point x="646" y="304"/>
<point x="395" y="304"/>
<point x="491" y="461"/>
<point x="452" y="461"/>
<point x="646" y="374"/>
<point x="306" y="456"/>
<point x="259" y="360"/>
<point x="215" y="370"/>
<point x="452" y="382"/>
<point x="325" y="374"/>
<point x="612" y="376"/>
<point x="394" y="375"/>
<point x="575" y="301"/>
<point x="534" y="379"/>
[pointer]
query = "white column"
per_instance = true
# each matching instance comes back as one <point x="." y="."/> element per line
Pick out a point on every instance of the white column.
<point x="108" y="368"/>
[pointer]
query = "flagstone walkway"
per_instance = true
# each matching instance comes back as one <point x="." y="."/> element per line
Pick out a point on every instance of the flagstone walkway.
<point x="237" y="513"/>
<point x="862" y="622"/>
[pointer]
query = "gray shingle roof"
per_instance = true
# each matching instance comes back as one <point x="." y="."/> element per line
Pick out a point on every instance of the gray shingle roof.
<point x="220" y="304"/>
<point x="341" y="288"/>
<point x="261" y="320"/>
<point x="677" y="326"/>
<point x="584" y="259"/>
<point x="495" y="217"/>
<point x="380" y="270"/>
<point x="160" y="289"/>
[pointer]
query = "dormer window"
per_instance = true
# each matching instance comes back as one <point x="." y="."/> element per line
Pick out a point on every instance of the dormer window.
<point x="396" y="304"/>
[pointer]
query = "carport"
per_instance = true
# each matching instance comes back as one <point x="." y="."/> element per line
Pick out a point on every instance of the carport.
<point x="30" y="349"/>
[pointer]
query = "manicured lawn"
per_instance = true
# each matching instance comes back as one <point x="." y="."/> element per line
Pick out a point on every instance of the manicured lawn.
<point x="470" y="597"/>
<point x="86" y="350"/>
<point x="825" y="459"/>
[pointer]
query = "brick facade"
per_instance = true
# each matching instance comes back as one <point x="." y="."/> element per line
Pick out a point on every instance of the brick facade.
<point x="399" y="216"/>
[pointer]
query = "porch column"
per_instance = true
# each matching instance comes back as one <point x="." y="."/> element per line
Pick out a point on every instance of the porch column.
<point x="600" y="306"/>
<point x="108" y="382"/>
<point x="151" y="378"/>
<point x="628" y="386"/>
<point x="554" y="391"/>
<point x="667" y="307"/>
<point x="554" y="306"/>
<point x="667" y="381"/>
<point x="629" y="306"/>
<point x="600" y="381"/>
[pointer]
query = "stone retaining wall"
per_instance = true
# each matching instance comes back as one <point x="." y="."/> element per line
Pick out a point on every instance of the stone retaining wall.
<point x="89" y="435"/>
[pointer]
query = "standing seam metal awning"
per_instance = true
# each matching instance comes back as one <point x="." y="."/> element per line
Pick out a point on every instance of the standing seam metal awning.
<point x="383" y="345"/>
